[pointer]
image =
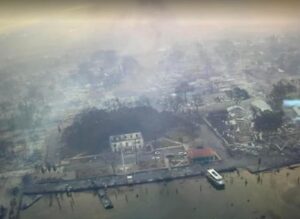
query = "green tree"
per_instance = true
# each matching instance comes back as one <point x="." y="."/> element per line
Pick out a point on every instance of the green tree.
<point x="280" y="91"/>
<point x="268" y="121"/>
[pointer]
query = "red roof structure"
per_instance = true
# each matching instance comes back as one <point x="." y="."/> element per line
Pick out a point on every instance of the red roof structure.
<point x="194" y="153"/>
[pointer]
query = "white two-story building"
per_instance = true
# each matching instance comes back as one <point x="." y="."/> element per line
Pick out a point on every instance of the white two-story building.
<point x="126" y="142"/>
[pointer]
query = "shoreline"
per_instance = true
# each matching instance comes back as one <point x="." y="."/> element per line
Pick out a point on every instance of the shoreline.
<point x="114" y="181"/>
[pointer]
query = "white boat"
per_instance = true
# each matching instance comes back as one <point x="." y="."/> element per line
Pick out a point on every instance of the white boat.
<point x="215" y="178"/>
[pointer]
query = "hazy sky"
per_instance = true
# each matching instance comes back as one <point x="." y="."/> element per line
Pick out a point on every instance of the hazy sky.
<point x="205" y="8"/>
<point x="212" y="13"/>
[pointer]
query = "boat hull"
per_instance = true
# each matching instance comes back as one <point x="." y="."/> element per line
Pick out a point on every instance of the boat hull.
<point x="215" y="184"/>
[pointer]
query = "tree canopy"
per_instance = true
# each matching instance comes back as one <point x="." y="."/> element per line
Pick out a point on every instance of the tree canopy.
<point x="268" y="121"/>
<point x="280" y="91"/>
<point x="91" y="129"/>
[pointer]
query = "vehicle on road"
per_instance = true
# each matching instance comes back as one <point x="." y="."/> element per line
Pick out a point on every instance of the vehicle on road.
<point x="129" y="178"/>
<point x="182" y="153"/>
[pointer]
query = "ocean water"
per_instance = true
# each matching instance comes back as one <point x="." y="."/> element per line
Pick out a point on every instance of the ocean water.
<point x="246" y="196"/>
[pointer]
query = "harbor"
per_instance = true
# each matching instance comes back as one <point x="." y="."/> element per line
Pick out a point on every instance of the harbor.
<point x="195" y="197"/>
<point x="117" y="180"/>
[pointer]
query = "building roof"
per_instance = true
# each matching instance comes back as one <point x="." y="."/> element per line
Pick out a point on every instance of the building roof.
<point x="236" y="107"/>
<point x="126" y="137"/>
<point x="193" y="153"/>
<point x="291" y="103"/>
<point x="297" y="110"/>
<point x="261" y="105"/>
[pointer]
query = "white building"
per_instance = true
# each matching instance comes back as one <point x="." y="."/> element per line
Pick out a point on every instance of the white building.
<point x="260" y="106"/>
<point x="126" y="142"/>
<point x="297" y="111"/>
<point x="293" y="113"/>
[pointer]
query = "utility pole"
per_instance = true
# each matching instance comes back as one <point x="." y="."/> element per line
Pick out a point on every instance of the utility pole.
<point x="123" y="163"/>
<point x="259" y="162"/>
<point x="136" y="160"/>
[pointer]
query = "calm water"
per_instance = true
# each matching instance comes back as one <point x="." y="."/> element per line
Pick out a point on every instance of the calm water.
<point x="277" y="196"/>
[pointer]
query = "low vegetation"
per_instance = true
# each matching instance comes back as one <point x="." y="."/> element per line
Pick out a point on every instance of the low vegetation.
<point x="91" y="129"/>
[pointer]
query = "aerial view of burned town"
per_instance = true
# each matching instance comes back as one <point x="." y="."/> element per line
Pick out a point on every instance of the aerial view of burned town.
<point x="142" y="115"/>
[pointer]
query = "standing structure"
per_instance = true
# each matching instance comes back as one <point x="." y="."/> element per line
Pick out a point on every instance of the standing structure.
<point x="126" y="142"/>
<point x="259" y="106"/>
<point x="202" y="155"/>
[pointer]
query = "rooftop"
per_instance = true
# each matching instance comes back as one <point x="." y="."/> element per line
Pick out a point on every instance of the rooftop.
<point x="261" y="105"/>
<point x="200" y="152"/>
<point x="126" y="137"/>
<point x="297" y="110"/>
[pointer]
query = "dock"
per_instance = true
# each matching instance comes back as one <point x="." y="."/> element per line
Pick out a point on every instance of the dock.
<point x="28" y="201"/>
<point x="104" y="182"/>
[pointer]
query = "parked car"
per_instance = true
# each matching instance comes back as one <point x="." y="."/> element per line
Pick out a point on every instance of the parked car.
<point x="182" y="153"/>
